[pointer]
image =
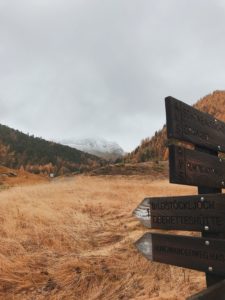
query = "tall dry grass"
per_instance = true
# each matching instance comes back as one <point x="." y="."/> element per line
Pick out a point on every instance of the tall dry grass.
<point x="73" y="239"/>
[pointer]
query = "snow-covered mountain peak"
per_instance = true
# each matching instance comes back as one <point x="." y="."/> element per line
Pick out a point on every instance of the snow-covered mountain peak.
<point x="97" y="146"/>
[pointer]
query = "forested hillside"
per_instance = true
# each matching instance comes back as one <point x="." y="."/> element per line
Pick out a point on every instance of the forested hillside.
<point x="154" y="148"/>
<point x="19" y="150"/>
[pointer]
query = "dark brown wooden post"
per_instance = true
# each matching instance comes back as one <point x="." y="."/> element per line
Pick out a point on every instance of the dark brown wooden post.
<point x="211" y="279"/>
<point x="215" y="292"/>
<point x="207" y="134"/>
<point x="201" y="168"/>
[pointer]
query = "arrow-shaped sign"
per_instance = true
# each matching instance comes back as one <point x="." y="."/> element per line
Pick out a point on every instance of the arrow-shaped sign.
<point x="195" y="213"/>
<point x="196" y="168"/>
<point x="186" y="123"/>
<point x="202" y="254"/>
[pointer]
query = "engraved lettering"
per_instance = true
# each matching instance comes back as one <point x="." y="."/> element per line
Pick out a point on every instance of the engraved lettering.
<point x="188" y="130"/>
<point x="182" y="205"/>
<point x="199" y="168"/>
<point x="200" y="254"/>
<point x="191" y="115"/>
<point x="187" y="220"/>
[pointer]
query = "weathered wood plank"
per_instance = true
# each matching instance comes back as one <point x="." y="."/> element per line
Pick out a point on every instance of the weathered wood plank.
<point x="195" y="213"/>
<point x="215" y="292"/>
<point x="189" y="124"/>
<point x="210" y="278"/>
<point x="202" y="254"/>
<point x="196" y="168"/>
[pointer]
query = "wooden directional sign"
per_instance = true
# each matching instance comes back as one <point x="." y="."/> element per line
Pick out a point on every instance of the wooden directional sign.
<point x="195" y="213"/>
<point x="196" y="168"/>
<point x="189" y="124"/>
<point x="215" y="292"/>
<point x="202" y="254"/>
<point x="205" y="212"/>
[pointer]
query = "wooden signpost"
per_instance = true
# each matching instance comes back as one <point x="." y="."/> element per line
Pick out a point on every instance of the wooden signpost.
<point x="196" y="168"/>
<point x="205" y="212"/>
<point x="202" y="254"/>
<point x="194" y="213"/>
<point x="215" y="292"/>
<point x="186" y="123"/>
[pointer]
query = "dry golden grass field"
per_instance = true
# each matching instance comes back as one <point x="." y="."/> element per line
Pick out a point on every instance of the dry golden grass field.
<point x="73" y="238"/>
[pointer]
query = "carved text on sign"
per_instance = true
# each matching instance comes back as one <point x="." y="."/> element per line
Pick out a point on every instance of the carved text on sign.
<point x="201" y="254"/>
<point x="188" y="220"/>
<point x="183" y="205"/>
<point x="196" y="213"/>
<point x="198" y="253"/>
<point x="200" y="168"/>
<point x="186" y="123"/>
<point x="196" y="168"/>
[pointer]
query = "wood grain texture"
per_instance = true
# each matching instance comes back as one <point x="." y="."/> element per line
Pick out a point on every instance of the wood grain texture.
<point x="194" y="213"/>
<point x="189" y="124"/>
<point x="215" y="292"/>
<point x="196" y="168"/>
<point x="210" y="278"/>
<point x="202" y="254"/>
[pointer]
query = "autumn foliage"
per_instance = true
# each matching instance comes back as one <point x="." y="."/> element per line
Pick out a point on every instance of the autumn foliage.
<point x="154" y="148"/>
<point x="36" y="155"/>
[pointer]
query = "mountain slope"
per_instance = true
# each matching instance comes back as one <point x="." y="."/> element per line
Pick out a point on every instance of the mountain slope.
<point x="11" y="177"/>
<point x="99" y="147"/>
<point x="40" y="156"/>
<point x="155" y="148"/>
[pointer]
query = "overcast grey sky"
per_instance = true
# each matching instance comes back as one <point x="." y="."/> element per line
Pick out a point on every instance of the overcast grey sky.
<point x="87" y="68"/>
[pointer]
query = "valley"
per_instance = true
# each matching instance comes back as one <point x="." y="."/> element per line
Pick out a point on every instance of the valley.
<point x="72" y="238"/>
<point x="66" y="224"/>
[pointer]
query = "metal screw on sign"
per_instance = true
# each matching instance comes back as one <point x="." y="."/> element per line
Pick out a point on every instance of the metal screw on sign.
<point x="202" y="199"/>
<point x="207" y="243"/>
<point x="210" y="269"/>
<point x="206" y="228"/>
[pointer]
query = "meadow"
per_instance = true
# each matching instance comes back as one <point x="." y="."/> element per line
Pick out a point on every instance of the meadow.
<point x="72" y="238"/>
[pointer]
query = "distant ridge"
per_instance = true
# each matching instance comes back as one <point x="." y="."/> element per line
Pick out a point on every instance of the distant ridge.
<point x="36" y="155"/>
<point x="96" y="146"/>
<point x="154" y="148"/>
